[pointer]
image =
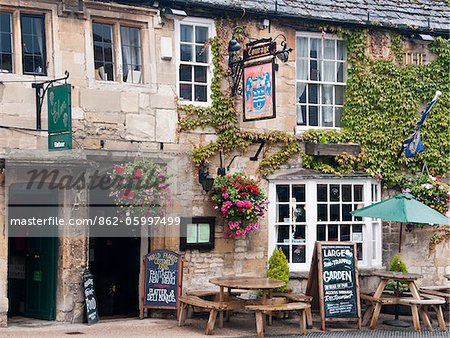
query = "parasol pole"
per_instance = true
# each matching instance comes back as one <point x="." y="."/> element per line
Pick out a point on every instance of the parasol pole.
<point x="400" y="238"/>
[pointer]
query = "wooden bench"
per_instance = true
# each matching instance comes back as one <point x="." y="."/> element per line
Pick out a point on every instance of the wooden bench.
<point x="205" y="305"/>
<point x="211" y="294"/>
<point x="419" y="307"/>
<point x="296" y="297"/>
<point x="262" y="309"/>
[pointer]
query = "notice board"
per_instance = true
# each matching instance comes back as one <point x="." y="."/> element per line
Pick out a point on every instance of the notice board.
<point x="89" y="298"/>
<point x="333" y="282"/>
<point x="161" y="286"/>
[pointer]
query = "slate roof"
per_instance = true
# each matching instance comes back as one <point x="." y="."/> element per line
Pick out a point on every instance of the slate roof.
<point x="422" y="15"/>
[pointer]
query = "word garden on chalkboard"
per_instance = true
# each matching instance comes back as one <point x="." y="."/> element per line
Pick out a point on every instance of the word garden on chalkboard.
<point x="333" y="281"/>
<point x="162" y="281"/>
<point x="89" y="297"/>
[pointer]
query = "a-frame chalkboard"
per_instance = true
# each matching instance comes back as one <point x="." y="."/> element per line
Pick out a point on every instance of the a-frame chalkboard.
<point x="333" y="282"/>
<point x="162" y="272"/>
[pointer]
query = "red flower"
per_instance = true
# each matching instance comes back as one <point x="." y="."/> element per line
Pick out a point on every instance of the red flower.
<point x="138" y="173"/>
<point x="118" y="169"/>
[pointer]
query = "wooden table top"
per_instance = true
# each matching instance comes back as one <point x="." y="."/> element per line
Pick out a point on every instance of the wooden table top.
<point x="400" y="276"/>
<point x="247" y="283"/>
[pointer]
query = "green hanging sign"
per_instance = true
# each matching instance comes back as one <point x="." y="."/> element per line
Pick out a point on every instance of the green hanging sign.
<point x="59" y="117"/>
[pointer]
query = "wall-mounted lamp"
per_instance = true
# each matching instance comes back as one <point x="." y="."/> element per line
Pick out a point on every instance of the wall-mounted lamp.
<point x="205" y="179"/>
<point x="173" y="13"/>
<point x="254" y="49"/>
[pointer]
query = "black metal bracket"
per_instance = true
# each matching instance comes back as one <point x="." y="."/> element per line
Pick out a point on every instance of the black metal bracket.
<point x="41" y="89"/>
<point x="261" y="145"/>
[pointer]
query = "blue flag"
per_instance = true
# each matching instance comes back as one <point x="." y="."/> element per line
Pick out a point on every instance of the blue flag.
<point x="413" y="144"/>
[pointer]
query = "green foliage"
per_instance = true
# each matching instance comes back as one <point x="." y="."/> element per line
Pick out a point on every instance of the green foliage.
<point x="382" y="104"/>
<point x="279" y="269"/>
<point x="397" y="265"/>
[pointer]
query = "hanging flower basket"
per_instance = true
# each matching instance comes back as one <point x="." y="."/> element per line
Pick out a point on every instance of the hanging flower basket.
<point x="140" y="188"/>
<point x="241" y="203"/>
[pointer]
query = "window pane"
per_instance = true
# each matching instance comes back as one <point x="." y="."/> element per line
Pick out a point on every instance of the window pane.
<point x="313" y="93"/>
<point x="201" y="54"/>
<point x="302" y="69"/>
<point x="327" y="94"/>
<point x="298" y="192"/>
<point x="185" y="73"/>
<point x="346" y="209"/>
<point x="313" y="116"/>
<point x="6" y="65"/>
<point x="338" y="117"/>
<point x="186" y="52"/>
<point x="282" y="193"/>
<point x="201" y="34"/>
<point x="359" y="251"/>
<point x="339" y="95"/>
<point x="283" y="213"/>
<point x="345" y="233"/>
<point x="301" y="115"/>
<point x="5" y="22"/>
<point x="335" y="213"/>
<point x="302" y="47"/>
<point x="186" y="92"/>
<point x="298" y="254"/>
<point x="33" y="44"/>
<point x="358" y="193"/>
<point x="283" y="234"/>
<point x="186" y="33"/>
<point x="103" y="52"/>
<point x="285" y="249"/>
<point x="301" y="92"/>
<point x="300" y="214"/>
<point x="327" y="116"/>
<point x="335" y="193"/>
<point x="333" y="233"/>
<point x="200" y="74"/>
<point x="201" y="93"/>
<point x="346" y="193"/>
<point x="109" y="70"/>
<point x="322" y="212"/>
<point x="341" y="73"/>
<point x="316" y="48"/>
<point x="322" y="195"/>
<point x="321" y="236"/>
<point x="131" y="54"/>
<point x="329" y="50"/>
<point x="328" y="71"/>
<point x="5" y="39"/>
<point x="341" y="50"/>
<point x="314" y="70"/>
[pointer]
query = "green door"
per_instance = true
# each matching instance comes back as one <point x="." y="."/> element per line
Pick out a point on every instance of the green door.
<point x="40" y="276"/>
<point x="41" y="253"/>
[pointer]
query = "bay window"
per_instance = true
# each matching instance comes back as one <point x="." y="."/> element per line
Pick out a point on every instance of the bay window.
<point x="302" y="212"/>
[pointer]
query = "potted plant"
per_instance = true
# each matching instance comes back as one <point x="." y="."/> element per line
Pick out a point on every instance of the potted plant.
<point x="397" y="265"/>
<point x="241" y="203"/>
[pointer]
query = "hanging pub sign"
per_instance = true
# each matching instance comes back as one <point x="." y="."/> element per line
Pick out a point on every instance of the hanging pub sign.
<point x="162" y="278"/>
<point x="333" y="282"/>
<point x="259" y="91"/>
<point x="59" y="117"/>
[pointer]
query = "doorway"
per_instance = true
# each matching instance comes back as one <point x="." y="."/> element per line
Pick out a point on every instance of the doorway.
<point x="32" y="260"/>
<point x="114" y="263"/>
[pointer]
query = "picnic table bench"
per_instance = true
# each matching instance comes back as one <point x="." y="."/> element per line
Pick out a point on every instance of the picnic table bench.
<point x="262" y="309"/>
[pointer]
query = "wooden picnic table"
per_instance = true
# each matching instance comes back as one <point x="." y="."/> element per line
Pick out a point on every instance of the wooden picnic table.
<point x="415" y="300"/>
<point x="266" y="285"/>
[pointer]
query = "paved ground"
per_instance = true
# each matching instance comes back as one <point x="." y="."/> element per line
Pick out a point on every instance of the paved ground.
<point x="241" y="325"/>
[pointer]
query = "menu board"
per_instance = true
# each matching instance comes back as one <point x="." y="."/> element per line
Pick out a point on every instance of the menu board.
<point x="162" y="280"/>
<point x="89" y="297"/>
<point x="339" y="281"/>
<point x="333" y="282"/>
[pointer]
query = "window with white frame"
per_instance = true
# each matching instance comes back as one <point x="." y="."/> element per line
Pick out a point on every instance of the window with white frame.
<point x="105" y="37"/>
<point x="194" y="60"/>
<point x="321" y="78"/>
<point x="32" y="43"/>
<point x="303" y="212"/>
<point x="6" y="51"/>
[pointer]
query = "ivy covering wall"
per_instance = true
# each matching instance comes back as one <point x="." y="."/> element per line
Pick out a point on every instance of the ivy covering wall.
<point x="382" y="104"/>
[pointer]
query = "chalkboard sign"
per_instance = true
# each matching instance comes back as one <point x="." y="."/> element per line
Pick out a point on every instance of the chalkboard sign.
<point x="333" y="281"/>
<point x="89" y="297"/>
<point x="162" y="272"/>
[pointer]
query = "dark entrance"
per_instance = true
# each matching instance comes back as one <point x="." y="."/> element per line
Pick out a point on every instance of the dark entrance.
<point x="115" y="263"/>
<point x="32" y="261"/>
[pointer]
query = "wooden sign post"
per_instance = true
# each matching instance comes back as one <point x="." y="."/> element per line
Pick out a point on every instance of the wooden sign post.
<point x="333" y="282"/>
<point x="162" y="278"/>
